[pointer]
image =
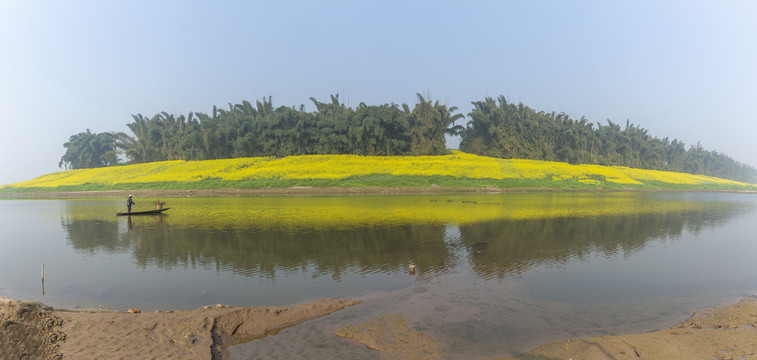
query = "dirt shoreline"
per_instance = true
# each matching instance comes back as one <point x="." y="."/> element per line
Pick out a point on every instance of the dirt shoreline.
<point x="32" y="330"/>
<point x="294" y="191"/>
<point x="728" y="332"/>
<point x="315" y="191"/>
<point x="29" y="330"/>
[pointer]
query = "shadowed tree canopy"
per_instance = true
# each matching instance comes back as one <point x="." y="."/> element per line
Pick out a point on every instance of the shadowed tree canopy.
<point x="500" y="129"/>
<point x="88" y="150"/>
<point x="245" y="130"/>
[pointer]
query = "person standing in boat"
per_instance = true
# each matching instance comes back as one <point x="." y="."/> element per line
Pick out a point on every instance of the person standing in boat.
<point x="129" y="203"/>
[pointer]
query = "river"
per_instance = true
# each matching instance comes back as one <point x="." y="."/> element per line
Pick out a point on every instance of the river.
<point x="495" y="274"/>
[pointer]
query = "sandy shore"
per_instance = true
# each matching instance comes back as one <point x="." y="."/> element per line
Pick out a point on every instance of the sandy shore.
<point x="728" y="332"/>
<point x="31" y="330"/>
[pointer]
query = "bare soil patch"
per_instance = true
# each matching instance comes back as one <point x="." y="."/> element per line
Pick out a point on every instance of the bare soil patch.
<point x="33" y="331"/>
<point x="728" y="332"/>
<point x="390" y="335"/>
<point x="29" y="330"/>
<point x="723" y="333"/>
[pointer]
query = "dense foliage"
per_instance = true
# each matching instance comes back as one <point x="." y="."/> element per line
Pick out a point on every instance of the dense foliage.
<point x="505" y="130"/>
<point x="496" y="128"/>
<point x="87" y="150"/>
<point x="244" y="130"/>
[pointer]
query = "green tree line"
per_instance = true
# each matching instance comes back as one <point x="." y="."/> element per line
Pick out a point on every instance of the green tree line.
<point x="505" y="130"/>
<point x="247" y="130"/>
<point x="88" y="150"/>
<point x="496" y="128"/>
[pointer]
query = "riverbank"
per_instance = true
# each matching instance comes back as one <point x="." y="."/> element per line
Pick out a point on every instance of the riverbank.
<point x="31" y="329"/>
<point x="313" y="191"/>
<point x="722" y="333"/>
<point x="230" y="192"/>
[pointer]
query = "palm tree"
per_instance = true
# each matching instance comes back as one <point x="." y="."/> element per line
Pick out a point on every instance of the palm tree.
<point x="138" y="149"/>
<point x="430" y="124"/>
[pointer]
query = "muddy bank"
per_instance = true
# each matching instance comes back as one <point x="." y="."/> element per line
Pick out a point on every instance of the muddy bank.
<point x="31" y="330"/>
<point x="724" y="333"/>
<point x="391" y="336"/>
<point x="295" y="191"/>
<point x="307" y="191"/>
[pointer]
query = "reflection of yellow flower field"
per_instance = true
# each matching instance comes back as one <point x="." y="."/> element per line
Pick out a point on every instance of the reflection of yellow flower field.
<point x="349" y="212"/>
<point x="336" y="167"/>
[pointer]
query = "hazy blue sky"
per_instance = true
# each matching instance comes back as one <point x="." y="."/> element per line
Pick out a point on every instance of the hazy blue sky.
<point x="682" y="69"/>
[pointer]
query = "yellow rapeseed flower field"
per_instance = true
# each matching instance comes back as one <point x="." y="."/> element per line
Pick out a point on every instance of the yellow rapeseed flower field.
<point x="337" y="167"/>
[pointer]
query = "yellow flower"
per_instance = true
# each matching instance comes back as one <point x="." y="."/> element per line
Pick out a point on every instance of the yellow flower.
<point x="337" y="167"/>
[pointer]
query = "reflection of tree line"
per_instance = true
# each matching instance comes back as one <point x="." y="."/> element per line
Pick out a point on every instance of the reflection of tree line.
<point x="94" y="235"/>
<point x="501" y="249"/>
<point x="369" y="249"/>
<point x="263" y="252"/>
<point x="498" y="248"/>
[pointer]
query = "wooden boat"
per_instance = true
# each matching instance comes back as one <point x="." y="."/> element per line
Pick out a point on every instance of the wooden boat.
<point x="146" y="212"/>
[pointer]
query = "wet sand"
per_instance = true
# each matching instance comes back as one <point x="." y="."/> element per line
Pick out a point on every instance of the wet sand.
<point x="34" y="331"/>
<point x="391" y="336"/>
<point x="29" y="329"/>
<point x="728" y="332"/>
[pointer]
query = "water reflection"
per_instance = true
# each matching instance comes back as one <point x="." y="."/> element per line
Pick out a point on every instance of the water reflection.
<point x="509" y="248"/>
<point x="495" y="274"/>
<point x="499" y="236"/>
<point x="97" y="235"/>
<point x="92" y="236"/>
<point x="263" y="252"/>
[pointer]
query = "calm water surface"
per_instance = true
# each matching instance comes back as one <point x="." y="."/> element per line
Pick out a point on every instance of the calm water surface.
<point x="496" y="274"/>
